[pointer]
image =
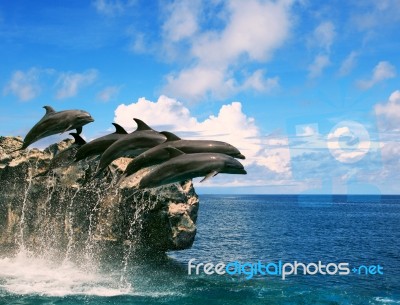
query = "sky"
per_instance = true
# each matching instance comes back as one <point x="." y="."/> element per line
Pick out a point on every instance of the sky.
<point x="309" y="91"/>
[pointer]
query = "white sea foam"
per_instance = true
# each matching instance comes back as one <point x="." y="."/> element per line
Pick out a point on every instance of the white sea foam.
<point x="387" y="300"/>
<point x="27" y="275"/>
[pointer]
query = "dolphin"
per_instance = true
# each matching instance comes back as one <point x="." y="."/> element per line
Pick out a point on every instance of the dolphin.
<point x="131" y="145"/>
<point x="163" y="152"/>
<point x="201" y="146"/>
<point x="188" y="166"/>
<point x="148" y="158"/>
<point x="99" y="145"/>
<point x="54" y="122"/>
<point x="65" y="157"/>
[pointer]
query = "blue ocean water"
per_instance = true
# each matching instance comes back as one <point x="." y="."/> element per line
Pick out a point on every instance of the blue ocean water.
<point x="358" y="230"/>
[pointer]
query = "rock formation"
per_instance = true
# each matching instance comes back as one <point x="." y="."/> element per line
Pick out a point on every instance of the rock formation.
<point x="68" y="215"/>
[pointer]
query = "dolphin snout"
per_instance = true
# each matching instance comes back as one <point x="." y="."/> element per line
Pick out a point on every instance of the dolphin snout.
<point x="240" y="156"/>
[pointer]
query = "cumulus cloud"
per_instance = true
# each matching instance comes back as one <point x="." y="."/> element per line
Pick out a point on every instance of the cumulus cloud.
<point x="108" y="93"/>
<point x="230" y="125"/>
<point x="382" y="71"/>
<point x="70" y="83"/>
<point x="24" y="85"/>
<point x="388" y="113"/>
<point x="319" y="64"/>
<point x="112" y="7"/>
<point x="215" y="55"/>
<point x="348" y="64"/>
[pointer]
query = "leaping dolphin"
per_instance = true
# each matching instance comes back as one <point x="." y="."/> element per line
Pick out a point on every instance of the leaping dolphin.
<point x="99" y="145"/>
<point x="131" y="145"/>
<point x="54" y="122"/>
<point x="188" y="166"/>
<point x="164" y="151"/>
<point x="64" y="158"/>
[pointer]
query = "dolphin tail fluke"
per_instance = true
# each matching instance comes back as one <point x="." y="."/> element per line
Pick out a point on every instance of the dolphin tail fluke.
<point x="209" y="176"/>
<point x="78" y="139"/>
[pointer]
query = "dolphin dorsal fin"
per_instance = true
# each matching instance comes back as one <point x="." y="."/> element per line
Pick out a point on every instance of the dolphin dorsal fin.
<point x="119" y="129"/>
<point x="174" y="152"/>
<point x="49" y="109"/>
<point x="170" y="136"/>
<point x="78" y="139"/>
<point x="142" y="125"/>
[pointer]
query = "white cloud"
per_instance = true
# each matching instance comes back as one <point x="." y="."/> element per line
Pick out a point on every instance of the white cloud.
<point x="70" y="83"/>
<point x="373" y="14"/>
<point x="230" y="125"/>
<point x="323" y="35"/>
<point x="182" y="21"/>
<point x="258" y="82"/>
<point x="194" y="83"/>
<point x="319" y="64"/>
<point x="24" y="85"/>
<point x="382" y="71"/>
<point x="112" y="7"/>
<point x="108" y="93"/>
<point x="389" y="113"/>
<point x="307" y="130"/>
<point x="348" y="64"/>
<point x="215" y="55"/>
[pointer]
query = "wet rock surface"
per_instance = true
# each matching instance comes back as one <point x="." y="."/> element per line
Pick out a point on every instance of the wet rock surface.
<point x="73" y="216"/>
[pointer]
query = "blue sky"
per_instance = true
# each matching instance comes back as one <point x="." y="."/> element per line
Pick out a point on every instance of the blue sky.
<point x="308" y="90"/>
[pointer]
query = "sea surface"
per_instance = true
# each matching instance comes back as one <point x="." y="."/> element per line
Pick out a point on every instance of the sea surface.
<point x="357" y="230"/>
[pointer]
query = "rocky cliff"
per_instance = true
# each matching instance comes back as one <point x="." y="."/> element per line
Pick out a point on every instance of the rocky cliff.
<point x="66" y="214"/>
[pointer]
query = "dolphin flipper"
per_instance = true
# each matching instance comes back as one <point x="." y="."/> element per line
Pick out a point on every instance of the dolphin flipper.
<point x="79" y="130"/>
<point x="174" y="152"/>
<point x="209" y="176"/>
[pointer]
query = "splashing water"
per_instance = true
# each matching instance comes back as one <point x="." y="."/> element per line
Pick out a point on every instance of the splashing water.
<point x="89" y="244"/>
<point x="32" y="275"/>
<point x="21" y="237"/>
<point x="70" y="224"/>
<point x="135" y="226"/>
